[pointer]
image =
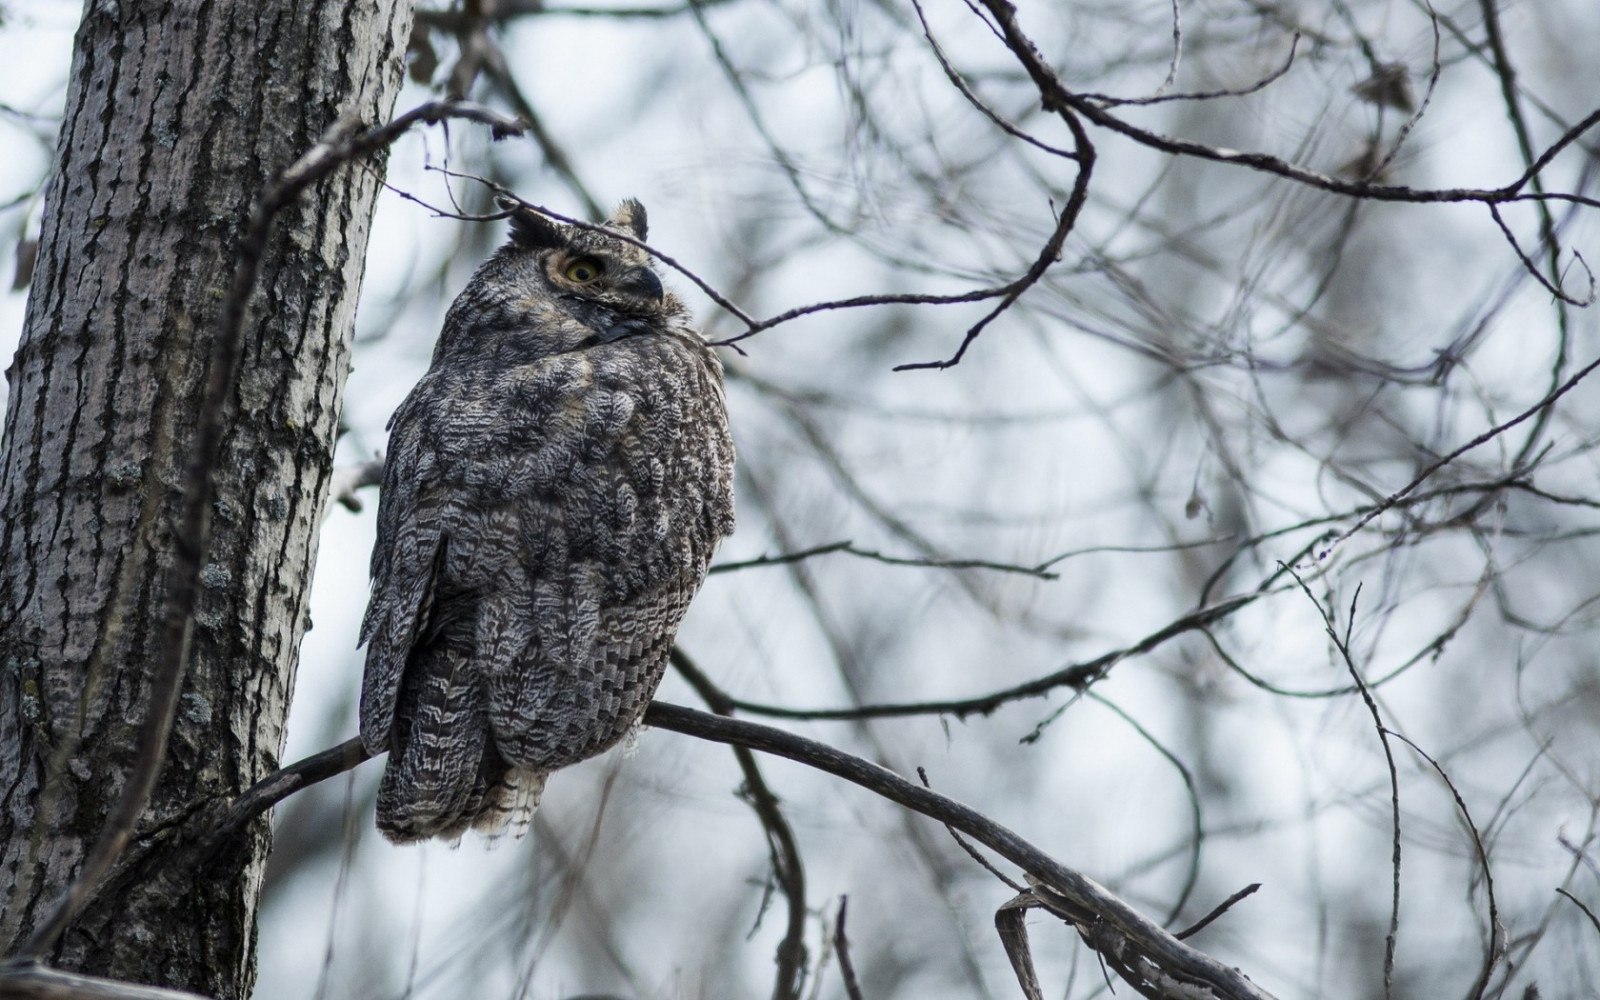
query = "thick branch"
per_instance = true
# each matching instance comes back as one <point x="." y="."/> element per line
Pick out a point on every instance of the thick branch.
<point x="1111" y="926"/>
<point x="284" y="782"/>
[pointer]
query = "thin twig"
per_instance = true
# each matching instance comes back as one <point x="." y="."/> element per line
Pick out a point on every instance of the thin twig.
<point x="1580" y="856"/>
<point x="1496" y="943"/>
<point x="1579" y="904"/>
<point x="849" y="548"/>
<point x="1222" y="907"/>
<point x="781" y="560"/>
<point x="1196" y="817"/>
<point x="1342" y="644"/>
<point x="1077" y="676"/>
<point x="1107" y="101"/>
<point x="1435" y="68"/>
<point x="1177" y="50"/>
<point x="1049" y="254"/>
<point x="1487" y="436"/>
<point x="966" y="91"/>
<point x="787" y="866"/>
<point x="1533" y="269"/>
<point x="841" y="947"/>
<point x="972" y="852"/>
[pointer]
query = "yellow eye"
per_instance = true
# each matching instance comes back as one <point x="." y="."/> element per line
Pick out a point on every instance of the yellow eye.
<point x="583" y="270"/>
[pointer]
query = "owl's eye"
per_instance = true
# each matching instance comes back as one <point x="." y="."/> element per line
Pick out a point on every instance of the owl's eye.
<point x="584" y="270"/>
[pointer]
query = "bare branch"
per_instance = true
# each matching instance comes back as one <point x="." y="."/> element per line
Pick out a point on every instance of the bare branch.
<point x="348" y="479"/>
<point x="961" y="85"/>
<point x="506" y="10"/>
<point x="787" y="866"/>
<point x="841" y="947"/>
<point x="1533" y="269"/>
<point x="1221" y="908"/>
<point x="1196" y="818"/>
<point x="1107" y="101"/>
<point x="1117" y="928"/>
<point x="1342" y="644"/>
<point x="1496" y="943"/>
<point x="1077" y="676"/>
<point x="1580" y="905"/>
<point x="1116" y="925"/>
<point x="1058" y="98"/>
<point x="1056" y="94"/>
<point x="849" y="548"/>
<point x="972" y="852"/>
<point x="1484" y="438"/>
<point x="1049" y="254"/>
<point x="284" y="782"/>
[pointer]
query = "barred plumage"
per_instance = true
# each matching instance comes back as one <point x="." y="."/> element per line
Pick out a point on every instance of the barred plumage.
<point x="554" y="489"/>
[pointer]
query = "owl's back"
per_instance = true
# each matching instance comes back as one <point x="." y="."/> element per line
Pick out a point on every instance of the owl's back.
<point x="542" y="530"/>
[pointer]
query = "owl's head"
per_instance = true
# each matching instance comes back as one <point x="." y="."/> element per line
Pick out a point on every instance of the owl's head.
<point x="556" y="287"/>
<point x="592" y="266"/>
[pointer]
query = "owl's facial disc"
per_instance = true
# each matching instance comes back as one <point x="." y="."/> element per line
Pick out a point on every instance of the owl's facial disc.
<point x="604" y="280"/>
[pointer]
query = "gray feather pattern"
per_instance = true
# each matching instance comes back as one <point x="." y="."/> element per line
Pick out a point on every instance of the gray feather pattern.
<point x="550" y="505"/>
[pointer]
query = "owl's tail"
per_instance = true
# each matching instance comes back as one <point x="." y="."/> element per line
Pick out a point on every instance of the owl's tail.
<point x="506" y="809"/>
<point x="500" y="802"/>
<point x="444" y="774"/>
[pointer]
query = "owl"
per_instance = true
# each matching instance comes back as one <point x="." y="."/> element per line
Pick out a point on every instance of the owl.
<point x="554" y="489"/>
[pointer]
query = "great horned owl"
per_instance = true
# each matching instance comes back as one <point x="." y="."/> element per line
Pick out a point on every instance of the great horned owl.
<point x="554" y="489"/>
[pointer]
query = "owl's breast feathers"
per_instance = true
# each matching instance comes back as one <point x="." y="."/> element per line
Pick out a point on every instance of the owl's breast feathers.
<point x="542" y="529"/>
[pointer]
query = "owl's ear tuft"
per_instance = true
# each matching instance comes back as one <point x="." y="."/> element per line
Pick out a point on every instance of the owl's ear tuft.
<point x="630" y="217"/>
<point x="530" y="229"/>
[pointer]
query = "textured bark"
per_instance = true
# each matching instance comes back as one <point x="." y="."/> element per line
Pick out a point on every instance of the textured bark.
<point x="177" y="114"/>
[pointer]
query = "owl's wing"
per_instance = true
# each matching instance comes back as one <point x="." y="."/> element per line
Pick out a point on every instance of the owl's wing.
<point x="407" y="559"/>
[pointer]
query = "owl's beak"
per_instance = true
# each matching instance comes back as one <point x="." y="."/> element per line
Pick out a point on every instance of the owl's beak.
<point x="641" y="282"/>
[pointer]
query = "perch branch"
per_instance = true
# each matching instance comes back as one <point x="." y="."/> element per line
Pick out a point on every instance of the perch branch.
<point x="1152" y="958"/>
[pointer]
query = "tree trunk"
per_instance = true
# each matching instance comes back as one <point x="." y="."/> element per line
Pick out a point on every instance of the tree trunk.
<point x="177" y="114"/>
